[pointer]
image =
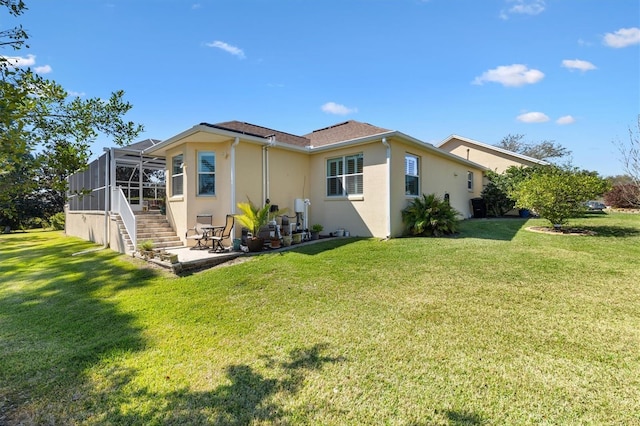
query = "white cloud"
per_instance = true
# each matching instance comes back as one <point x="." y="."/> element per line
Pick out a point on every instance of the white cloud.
<point x="623" y="37"/>
<point x="523" y="7"/>
<point x="533" y="117"/>
<point x="236" y="51"/>
<point x="44" y="69"/>
<point x="76" y="94"/>
<point x="510" y="75"/>
<point x="567" y="119"/>
<point x="196" y="6"/>
<point x="578" y="64"/>
<point x="20" y="61"/>
<point x="334" y="108"/>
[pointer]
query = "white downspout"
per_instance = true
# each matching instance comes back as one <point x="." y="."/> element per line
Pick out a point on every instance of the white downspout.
<point x="267" y="194"/>
<point x="264" y="174"/>
<point x="388" y="206"/>
<point x="266" y="190"/>
<point x="233" y="181"/>
<point x="107" y="189"/>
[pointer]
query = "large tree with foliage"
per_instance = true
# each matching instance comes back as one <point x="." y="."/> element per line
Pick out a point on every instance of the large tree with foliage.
<point x="38" y="114"/>
<point x="545" y="150"/>
<point x="558" y="193"/>
<point x="496" y="193"/>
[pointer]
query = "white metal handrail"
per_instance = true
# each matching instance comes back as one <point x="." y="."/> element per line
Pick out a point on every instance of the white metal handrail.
<point x="122" y="207"/>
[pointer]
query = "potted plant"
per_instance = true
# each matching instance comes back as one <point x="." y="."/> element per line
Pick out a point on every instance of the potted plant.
<point x="146" y="249"/>
<point x="315" y="231"/>
<point x="254" y="218"/>
<point x="163" y="206"/>
<point x="286" y="237"/>
<point x="275" y="242"/>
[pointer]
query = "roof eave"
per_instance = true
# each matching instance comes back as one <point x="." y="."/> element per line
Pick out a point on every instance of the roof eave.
<point x="494" y="148"/>
<point x="162" y="146"/>
<point x="395" y="133"/>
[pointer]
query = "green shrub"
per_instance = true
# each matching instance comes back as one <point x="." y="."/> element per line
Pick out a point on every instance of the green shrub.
<point x="57" y="221"/>
<point x="557" y="194"/>
<point x="34" y="223"/>
<point x="429" y="215"/>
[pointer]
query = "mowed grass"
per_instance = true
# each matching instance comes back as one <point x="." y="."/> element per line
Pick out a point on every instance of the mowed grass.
<point x="496" y="326"/>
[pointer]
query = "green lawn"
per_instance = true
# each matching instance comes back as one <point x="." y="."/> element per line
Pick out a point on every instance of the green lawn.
<point x="496" y="326"/>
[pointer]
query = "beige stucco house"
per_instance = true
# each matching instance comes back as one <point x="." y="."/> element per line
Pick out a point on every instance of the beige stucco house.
<point x="354" y="176"/>
<point x="492" y="157"/>
<point x="351" y="176"/>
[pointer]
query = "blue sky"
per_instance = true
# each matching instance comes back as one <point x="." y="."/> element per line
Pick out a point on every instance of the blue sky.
<point x="563" y="70"/>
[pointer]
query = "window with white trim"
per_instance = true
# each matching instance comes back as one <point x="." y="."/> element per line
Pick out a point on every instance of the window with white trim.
<point x="345" y="176"/>
<point x="177" y="174"/>
<point x="206" y="173"/>
<point x="411" y="175"/>
<point x="470" y="181"/>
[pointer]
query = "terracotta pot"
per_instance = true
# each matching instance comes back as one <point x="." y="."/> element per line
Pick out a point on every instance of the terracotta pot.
<point x="275" y="243"/>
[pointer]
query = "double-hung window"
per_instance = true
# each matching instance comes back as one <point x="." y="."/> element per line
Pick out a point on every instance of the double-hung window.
<point x="177" y="175"/>
<point x="470" y="181"/>
<point x="411" y="175"/>
<point x="345" y="176"/>
<point x="206" y="173"/>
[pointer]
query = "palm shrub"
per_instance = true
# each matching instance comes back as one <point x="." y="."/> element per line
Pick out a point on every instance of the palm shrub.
<point x="429" y="215"/>
<point x="253" y="217"/>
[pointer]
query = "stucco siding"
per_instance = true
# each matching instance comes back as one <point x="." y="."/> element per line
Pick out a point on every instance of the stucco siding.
<point x="493" y="160"/>
<point x="289" y="178"/>
<point x="437" y="174"/>
<point x="88" y="225"/>
<point x="361" y="215"/>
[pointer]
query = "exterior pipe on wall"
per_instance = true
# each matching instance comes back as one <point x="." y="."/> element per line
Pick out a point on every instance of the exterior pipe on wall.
<point x="272" y="142"/>
<point x="107" y="190"/>
<point x="388" y="206"/>
<point x="265" y="194"/>
<point x="235" y="143"/>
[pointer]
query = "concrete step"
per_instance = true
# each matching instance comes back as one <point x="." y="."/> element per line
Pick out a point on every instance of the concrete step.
<point x="153" y="234"/>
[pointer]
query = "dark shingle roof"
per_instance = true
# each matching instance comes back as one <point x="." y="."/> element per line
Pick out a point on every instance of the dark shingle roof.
<point x="254" y="130"/>
<point x="343" y="132"/>
<point x="340" y="132"/>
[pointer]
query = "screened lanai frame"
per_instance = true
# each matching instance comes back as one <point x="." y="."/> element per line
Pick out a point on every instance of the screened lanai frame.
<point x="120" y="168"/>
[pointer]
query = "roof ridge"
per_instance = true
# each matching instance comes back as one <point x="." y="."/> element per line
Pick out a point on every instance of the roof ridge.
<point x="257" y="125"/>
<point x="335" y="125"/>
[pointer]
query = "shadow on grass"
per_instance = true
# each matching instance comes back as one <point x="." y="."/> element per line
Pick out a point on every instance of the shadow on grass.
<point x="612" y="231"/>
<point x="246" y="399"/>
<point x="459" y="418"/>
<point x="319" y="246"/>
<point x="57" y="320"/>
<point x="501" y="229"/>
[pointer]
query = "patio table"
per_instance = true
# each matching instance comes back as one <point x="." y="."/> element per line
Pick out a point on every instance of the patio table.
<point x="209" y="231"/>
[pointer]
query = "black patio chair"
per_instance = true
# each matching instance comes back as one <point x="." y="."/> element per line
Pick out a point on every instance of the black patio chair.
<point x="221" y="234"/>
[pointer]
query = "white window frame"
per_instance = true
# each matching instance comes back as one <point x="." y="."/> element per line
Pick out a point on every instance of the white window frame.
<point x="204" y="173"/>
<point x="177" y="163"/>
<point x="408" y="159"/>
<point x="343" y="178"/>
<point x="470" y="181"/>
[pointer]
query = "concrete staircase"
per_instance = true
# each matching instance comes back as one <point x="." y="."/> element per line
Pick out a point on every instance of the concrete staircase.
<point x="152" y="226"/>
